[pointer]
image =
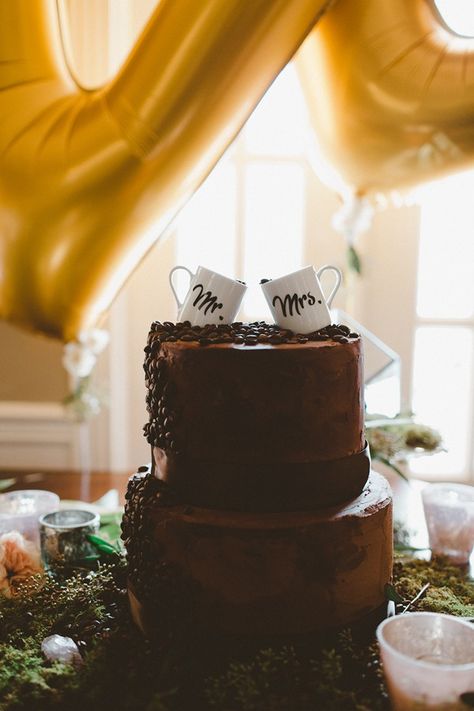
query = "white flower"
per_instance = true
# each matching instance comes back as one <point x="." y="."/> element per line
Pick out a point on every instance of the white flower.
<point x="80" y="356"/>
<point x="78" y="359"/>
<point x="354" y="217"/>
<point x="94" y="340"/>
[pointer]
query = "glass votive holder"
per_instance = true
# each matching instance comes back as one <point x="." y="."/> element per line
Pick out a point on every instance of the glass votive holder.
<point x="428" y="660"/>
<point x="20" y="511"/>
<point x="64" y="539"/>
<point x="449" y="513"/>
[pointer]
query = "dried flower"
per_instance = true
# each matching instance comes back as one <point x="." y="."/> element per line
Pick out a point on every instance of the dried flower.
<point x="78" y="359"/>
<point x="395" y="439"/>
<point x="19" y="559"/>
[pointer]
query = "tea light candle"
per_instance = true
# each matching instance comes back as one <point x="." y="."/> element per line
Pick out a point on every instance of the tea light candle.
<point x="449" y="513"/>
<point x="20" y="511"/>
<point x="428" y="660"/>
<point x="64" y="536"/>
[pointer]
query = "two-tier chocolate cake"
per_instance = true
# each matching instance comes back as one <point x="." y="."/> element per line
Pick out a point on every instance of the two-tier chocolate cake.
<point x="259" y="499"/>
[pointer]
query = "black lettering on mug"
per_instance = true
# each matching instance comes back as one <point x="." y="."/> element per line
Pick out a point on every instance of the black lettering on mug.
<point x="292" y="304"/>
<point x="206" y="300"/>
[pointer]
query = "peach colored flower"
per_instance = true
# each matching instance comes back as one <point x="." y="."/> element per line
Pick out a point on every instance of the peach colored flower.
<point x="19" y="558"/>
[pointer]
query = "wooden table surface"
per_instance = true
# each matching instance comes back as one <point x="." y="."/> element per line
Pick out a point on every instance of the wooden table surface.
<point x="69" y="484"/>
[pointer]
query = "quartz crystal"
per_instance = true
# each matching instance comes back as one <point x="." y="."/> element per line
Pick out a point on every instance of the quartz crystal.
<point x="61" y="649"/>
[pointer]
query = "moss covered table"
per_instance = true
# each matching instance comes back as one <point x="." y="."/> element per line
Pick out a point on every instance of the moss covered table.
<point x="183" y="670"/>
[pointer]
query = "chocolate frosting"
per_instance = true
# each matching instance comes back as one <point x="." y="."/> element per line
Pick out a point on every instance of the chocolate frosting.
<point x="257" y="440"/>
<point x="230" y="406"/>
<point x="257" y="573"/>
<point x="263" y="486"/>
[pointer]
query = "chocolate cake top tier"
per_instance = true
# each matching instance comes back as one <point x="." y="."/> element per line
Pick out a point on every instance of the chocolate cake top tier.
<point x="239" y="333"/>
<point x="254" y="393"/>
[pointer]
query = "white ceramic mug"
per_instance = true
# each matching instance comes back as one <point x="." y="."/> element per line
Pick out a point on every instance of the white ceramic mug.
<point x="211" y="297"/>
<point x="297" y="301"/>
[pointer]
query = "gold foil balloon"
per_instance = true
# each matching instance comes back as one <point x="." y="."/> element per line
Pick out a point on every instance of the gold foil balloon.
<point x="90" y="179"/>
<point x="391" y="93"/>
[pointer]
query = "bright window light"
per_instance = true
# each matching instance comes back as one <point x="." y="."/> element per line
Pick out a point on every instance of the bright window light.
<point x="446" y="257"/>
<point x="207" y="226"/>
<point x="280" y="125"/>
<point x="231" y="224"/>
<point x="273" y="238"/>
<point x="442" y="396"/>
<point x="458" y="15"/>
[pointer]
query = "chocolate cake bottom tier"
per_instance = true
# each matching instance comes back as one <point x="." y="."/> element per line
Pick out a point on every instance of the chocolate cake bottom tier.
<point x="257" y="574"/>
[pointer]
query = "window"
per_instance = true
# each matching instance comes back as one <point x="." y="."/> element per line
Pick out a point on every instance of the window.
<point x="443" y="380"/>
<point x="231" y="224"/>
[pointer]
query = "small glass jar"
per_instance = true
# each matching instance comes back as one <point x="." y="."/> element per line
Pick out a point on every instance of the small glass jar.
<point x="64" y="537"/>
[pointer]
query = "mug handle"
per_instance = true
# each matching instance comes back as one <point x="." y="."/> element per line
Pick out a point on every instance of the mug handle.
<point x="337" y="272"/>
<point x="175" y="293"/>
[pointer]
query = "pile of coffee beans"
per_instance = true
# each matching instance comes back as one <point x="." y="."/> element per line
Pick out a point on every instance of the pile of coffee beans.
<point x="244" y="334"/>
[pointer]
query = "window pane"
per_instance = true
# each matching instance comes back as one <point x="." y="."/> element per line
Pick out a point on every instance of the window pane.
<point x="442" y="395"/>
<point x="280" y="124"/>
<point x="206" y="228"/>
<point x="273" y="227"/>
<point x="446" y="261"/>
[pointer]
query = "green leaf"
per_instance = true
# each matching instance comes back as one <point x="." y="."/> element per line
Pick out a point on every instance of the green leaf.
<point x="391" y="594"/>
<point x="110" y="528"/>
<point x="353" y="260"/>
<point x="101" y="545"/>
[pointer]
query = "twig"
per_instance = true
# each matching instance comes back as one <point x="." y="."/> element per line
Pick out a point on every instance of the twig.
<point x="420" y="594"/>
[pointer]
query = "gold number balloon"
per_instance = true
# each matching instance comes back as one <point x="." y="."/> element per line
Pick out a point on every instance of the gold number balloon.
<point x="391" y="93"/>
<point x="89" y="179"/>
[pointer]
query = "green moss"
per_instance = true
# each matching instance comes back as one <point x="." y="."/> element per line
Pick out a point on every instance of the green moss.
<point x="123" y="672"/>
<point x="450" y="591"/>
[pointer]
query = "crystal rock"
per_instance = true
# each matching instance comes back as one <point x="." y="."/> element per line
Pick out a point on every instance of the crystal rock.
<point x="61" y="649"/>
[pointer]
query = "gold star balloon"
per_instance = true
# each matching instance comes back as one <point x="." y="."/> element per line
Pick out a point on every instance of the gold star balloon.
<point x="90" y="179"/>
<point x="391" y="93"/>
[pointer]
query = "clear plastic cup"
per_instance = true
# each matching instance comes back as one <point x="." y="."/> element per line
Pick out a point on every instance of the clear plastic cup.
<point x="449" y="513"/>
<point x="20" y="511"/>
<point x="428" y="660"/>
